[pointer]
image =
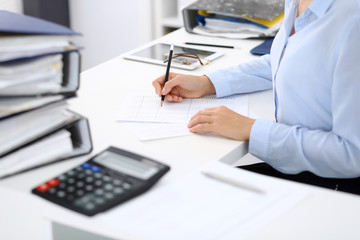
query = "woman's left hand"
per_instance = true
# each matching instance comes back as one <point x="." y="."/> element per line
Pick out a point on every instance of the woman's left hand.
<point x="223" y="121"/>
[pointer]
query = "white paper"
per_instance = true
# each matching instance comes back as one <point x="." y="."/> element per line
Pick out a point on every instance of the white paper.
<point x="150" y="131"/>
<point x="20" y="47"/>
<point x="146" y="108"/>
<point x="32" y="77"/>
<point x="199" y="207"/>
<point x="245" y="33"/>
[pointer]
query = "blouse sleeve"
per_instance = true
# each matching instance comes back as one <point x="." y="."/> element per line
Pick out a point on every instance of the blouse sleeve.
<point x="243" y="78"/>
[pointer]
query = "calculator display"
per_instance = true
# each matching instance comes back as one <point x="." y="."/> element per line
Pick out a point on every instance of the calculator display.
<point x="126" y="165"/>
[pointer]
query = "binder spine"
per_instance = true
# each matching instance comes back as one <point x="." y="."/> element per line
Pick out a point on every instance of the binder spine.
<point x="189" y="18"/>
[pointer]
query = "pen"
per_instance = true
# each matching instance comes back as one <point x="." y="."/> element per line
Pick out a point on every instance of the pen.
<point x="232" y="182"/>
<point x="167" y="71"/>
<point x="209" y="45"/>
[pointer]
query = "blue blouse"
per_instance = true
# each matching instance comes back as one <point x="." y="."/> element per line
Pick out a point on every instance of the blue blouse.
<point x="315" y="75"/>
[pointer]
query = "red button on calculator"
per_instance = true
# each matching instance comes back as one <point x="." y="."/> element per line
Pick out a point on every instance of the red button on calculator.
<point x="42" y="188"/>
<point x="53" y="182"/>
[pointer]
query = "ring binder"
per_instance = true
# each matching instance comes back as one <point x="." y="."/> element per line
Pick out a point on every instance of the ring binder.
<point x="233" y="20"/>
<point x="80" y="138"/>
<point x="69" y="81"/>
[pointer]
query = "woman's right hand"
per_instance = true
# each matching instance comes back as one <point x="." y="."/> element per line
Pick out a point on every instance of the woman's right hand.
<point x="181" y="86"/>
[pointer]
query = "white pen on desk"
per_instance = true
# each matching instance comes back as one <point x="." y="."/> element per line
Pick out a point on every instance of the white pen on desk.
<point x="232" y="182"/>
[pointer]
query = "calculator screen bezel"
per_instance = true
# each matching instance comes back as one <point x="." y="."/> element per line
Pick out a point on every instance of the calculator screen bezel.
<point x="129" y="165"/>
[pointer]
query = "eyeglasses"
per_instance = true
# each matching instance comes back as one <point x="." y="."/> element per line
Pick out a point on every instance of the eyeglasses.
<point x="187" y="58"/>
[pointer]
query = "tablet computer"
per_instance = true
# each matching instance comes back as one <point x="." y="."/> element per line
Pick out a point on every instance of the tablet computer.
<point x="184" y="57"/>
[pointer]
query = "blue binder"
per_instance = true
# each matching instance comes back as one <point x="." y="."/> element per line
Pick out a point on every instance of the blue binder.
<point x="14" y="23"/>
<point x="263" y="48"/>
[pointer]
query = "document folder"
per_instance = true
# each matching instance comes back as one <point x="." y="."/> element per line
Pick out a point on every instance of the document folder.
<point x="13" y="162"/>
<point x="27" y="127"/>
<point x="11" y="106"/>
<point x="70" y="80"/>
<point x="24" y="37"/>
<point x="233" y="20"/>
<point x="263" y="48"/>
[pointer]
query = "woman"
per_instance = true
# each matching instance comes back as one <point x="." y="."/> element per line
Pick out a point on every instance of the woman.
<point x="314" y="69"/>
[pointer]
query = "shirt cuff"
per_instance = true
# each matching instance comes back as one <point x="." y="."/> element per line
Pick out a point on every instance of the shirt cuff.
<point x="260" y="138"/>
<point x="222" y="87"/>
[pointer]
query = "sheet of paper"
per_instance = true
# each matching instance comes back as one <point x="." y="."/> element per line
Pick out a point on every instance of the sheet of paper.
<point x="146" y="108"/>
<point x="199" y="207"/>
<point x="150" y="131"/>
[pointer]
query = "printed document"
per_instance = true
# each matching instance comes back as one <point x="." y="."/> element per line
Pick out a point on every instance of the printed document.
<point x="146" y="108"/>
<point x="145" y="131"/>
<point x="147" y="120"/>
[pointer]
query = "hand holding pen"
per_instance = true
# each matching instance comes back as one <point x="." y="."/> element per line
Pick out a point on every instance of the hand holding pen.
<point x="179" y="86"/>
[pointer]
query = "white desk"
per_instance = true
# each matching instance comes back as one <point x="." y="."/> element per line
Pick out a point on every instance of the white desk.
<point x="322" y="215"/>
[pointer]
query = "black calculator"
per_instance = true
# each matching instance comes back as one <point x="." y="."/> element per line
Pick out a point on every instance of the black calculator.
<point x="106" y="180"/>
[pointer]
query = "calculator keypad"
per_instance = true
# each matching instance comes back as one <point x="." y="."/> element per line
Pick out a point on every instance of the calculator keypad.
<point x="86" y="188"/>
<point x="109" y="178"/>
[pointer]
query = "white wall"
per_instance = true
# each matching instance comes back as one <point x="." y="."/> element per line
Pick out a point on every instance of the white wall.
<point x="11" y="5"/>
<point x="110" y="27"/>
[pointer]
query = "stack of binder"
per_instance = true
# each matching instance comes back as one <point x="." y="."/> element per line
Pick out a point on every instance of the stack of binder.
<point x="234" y="18"/>
<point x="39" y="71"/>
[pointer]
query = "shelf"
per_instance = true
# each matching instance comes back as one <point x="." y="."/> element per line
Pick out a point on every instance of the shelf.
<point x="172" y="22"/>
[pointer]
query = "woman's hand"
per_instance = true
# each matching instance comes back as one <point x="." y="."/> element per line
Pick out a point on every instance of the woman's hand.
<point x="223" y="121"/>
<point x="181" y="86"/>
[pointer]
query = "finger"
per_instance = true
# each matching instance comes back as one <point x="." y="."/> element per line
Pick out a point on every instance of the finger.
<point x="205" y="111"/>
<point x="211" y="109"/>
<point x="173" y="98"/>
<point x="201" y="119"/>
<point x="160" y="79"/>
<point x="158" y="86"/>
<point x="201" y="128"/>
<point x="169" y="85"/>
<point x="177" y="98"/>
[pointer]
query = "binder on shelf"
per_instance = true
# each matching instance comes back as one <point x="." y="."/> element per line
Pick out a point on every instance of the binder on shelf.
<point x="56" y="142"/>
<point x="240" y="19"/>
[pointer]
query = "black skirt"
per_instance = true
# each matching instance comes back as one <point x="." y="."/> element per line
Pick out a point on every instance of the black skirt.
<point x="350" y="185"/>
